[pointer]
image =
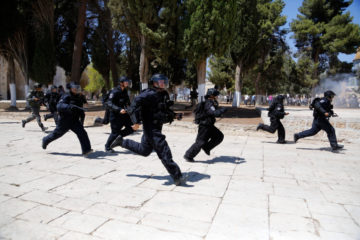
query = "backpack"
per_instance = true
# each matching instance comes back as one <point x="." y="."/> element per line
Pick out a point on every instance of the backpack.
<point x="199" y="112"/>
<point x="312" y="104"/>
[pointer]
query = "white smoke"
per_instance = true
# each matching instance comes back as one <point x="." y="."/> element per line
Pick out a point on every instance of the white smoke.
<point x="345" y="85"/>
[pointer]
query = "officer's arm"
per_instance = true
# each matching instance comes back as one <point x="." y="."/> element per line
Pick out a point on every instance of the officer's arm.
<point x="212" y="111"/>
<point x="30" y="97"/>
<point x="278" y="113"/>
<point x="135" y="107"/>
<point x="64" y="105"/>
<point x="319" y="108"/>
<point x="110" y="103"/>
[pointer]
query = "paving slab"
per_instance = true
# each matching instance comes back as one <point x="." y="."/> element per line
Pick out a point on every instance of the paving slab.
<point x="248" y="188"/>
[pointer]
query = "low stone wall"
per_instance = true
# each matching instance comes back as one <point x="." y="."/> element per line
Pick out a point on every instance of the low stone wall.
<point x="347" y="125"/>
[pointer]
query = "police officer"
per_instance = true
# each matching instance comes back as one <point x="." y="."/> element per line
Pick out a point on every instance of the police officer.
<point x="35" y="99"/>
<point x="322" y="112"/>
<point x="82" y="102"/>
<point x="276" y="112"/>
<point x="151" y="107"/>
<point x="106" y="119"/>
<point x="117" y="103"/>
<point x="51" y="99"/>
<point x="69" y="119"/>
<point x="208" y="136"/>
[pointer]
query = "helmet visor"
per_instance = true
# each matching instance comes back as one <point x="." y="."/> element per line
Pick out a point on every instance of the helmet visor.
<point x="162" y="83"/>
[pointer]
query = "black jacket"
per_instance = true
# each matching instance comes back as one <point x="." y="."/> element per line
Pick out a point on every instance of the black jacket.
<point x="209" y="112"/>
<point x="70" y="106"/>
<point x="51" y="99"/>
<point x="321" y="107"/>
<point x="152" y="108"/>
<point x="118" y="100"/>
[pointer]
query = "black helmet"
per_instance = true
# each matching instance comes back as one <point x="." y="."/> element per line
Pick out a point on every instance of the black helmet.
<point x="212" y="92"/>
<point x="53" y="87"/>
<point x="125" y="79"/>
<point x="73" y="85"/>
<point x="156" y="78"/>
<point x="37" y="85"/>
<point x="329" y="94"/>
<point x="280" y="98"/>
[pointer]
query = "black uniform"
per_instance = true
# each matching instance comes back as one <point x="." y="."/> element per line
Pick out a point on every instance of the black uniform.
<point x="35" y="107"/>
<point x="82" y="102"/>
<point x="276" y="112"/>
<point x="118" y="100"/>
<point x="208" y="136"/>
<point x="321" y="122"/>
<point x="51" y="99"/>
<point x="69" y="119"/>
<point x="152" y="107"/>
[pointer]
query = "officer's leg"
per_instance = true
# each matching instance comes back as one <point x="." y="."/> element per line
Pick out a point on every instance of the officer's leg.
<point x="59" y="131"/>
<point x="82" y="118"/>
<point x="127" y="123"/>
<point x="115" y="131"/>
<point x="281" y="132"/>
<point x="36" y="112"/>
<point x="31" y="117"/>
<point x="216" y="137"/>
<point x="144" y="148"/>
<point x="82" y="135"/>
<point x="310" y="132"/>
<point x="201" y="139"/>
<point x="56" y="118"/>
<point x="330" y="131"/>
<point x="273" y="126"/>
<point x="106" y="117"/>
<point x="164" y="153"/>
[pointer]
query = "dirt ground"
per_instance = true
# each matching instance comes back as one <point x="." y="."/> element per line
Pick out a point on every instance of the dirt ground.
<point x="242" y="115"/>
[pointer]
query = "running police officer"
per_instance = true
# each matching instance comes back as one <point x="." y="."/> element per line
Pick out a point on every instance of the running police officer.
<point x="51" y="99"/>
<point x="151" y="107"/>
<point x="322" y="112"/>
<point x="69" y="119"/>
<point x="208" y="136"/>
<point x="35" y="99"/>
<point x="276" y="112"/>
<point x="117" y="103"/>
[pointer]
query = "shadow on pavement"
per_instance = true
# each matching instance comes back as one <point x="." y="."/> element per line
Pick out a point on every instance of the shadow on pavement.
<point x="323" y="149"/>
<point x="188" y="177"/>
<point x="10" y="122"/>
<point x="224" y="159"/>
<point x="67" y="154"/>
<point x="287" y="142"/>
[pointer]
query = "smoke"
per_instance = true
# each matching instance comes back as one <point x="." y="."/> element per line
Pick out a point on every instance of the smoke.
<point x="345" y="85"/>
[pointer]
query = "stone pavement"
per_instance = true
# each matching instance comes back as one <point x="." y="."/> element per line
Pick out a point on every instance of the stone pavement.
<point x="249" y="188"/>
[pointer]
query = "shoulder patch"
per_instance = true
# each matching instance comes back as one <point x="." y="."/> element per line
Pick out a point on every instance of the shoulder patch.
<point x="322" y="100"/>
<point x="111" y="95"/>
<point x="212" y="108"/>
<point x="279" y="108"/>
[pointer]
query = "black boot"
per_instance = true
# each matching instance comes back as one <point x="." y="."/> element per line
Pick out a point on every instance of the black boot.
<point x="117" y="142"/>
<point x="189" y="159"/>
<point x="260" y="126"/>
<point x="23" y="122"/>
<point x="44" y="144"/>
<point x="296" y="137"/>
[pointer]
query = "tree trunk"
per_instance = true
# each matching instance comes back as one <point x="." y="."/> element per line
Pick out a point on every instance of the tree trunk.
<point x="11" y="81"/>
<point x="79" y="39"/>
<point x="237" y="94"/>
<point x="144" y="65"/>
<point x="201" y="74"/>
<point x="110" y="44"/>
<point x="257" y="89"/>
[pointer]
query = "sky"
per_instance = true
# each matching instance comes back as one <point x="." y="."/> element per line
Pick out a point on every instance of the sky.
<point x="291" y="11"/>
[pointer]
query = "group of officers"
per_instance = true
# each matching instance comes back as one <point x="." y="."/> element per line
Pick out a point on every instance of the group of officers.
<point x="152" y="109"/>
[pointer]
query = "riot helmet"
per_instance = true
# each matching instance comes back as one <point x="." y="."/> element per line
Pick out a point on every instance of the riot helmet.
<point x="126" y="81"/>
<point x="329" y="94"/>
<point x="212" y="92"/>
<point x="37" y="85"/>
<point x="73" y="87"/>
<point x="159" y="81"/>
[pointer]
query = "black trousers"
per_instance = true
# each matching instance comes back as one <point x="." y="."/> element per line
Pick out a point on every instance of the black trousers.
<point x="53" y="114"/>
<point x="73" y="125"/>
<point x="207" y="138"/>
<point x="117" y="123"/>
<point x="275" y="124"/>
<point x="106" y="118"/>
<point x="153" y="139"/>
<point x="321" y="124"/>
<point x="35" y="114"/>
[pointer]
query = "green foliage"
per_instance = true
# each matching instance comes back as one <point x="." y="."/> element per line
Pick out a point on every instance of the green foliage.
<point x="323" y="29"/>
<point x="209" y="28"/>
<point x="222" y="72"/>
<point x="96" y="82"/>
<point x="43" y="63"/>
